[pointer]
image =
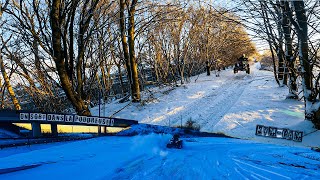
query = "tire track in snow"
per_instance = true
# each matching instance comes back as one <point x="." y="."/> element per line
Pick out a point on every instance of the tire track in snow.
<point x="208" y="110"/>
<point x="134" y="168"/>
<point x="223" y="102"/>
<point x="222" y="98"/>
<point x="259" y="169"/>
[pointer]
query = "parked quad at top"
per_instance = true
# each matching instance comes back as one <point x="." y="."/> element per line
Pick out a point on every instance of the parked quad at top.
<point x="175" y="142"/>
<point x="242" y="65"/>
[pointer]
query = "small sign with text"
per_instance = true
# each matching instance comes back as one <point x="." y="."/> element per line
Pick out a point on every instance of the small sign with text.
<point x="280" y="133"/>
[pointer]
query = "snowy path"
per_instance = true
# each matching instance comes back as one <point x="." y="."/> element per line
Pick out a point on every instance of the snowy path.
<point x="145" y="157"/>
<point x="205" y="101"/>
<point x="228" y="95"/>
<point x="214" y="102"/>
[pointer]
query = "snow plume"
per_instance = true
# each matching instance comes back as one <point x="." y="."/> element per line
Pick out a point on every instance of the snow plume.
<point x="152" y="144"/>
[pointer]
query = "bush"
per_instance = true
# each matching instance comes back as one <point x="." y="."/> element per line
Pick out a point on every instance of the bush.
<point x="190" y="125"/>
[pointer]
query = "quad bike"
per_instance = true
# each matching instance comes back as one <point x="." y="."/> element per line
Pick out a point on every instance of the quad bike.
<point x="175" y="142"/>
<point x="242" y="65"/>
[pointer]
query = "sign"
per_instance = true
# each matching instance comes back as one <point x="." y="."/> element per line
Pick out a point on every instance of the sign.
<point x="37" y="117"/>
<point x="94" y="120"/>
<point x="281" y="133"/>
<point x="55" y="117"/>
<point x="67" y="118"/>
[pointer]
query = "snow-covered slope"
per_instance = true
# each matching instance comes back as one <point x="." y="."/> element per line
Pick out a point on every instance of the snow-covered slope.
<point x="232" y="104"/>
<point x="145" y="157"/>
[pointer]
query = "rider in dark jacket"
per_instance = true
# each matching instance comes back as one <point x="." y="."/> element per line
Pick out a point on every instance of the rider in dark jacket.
<point x="175" y="138"/>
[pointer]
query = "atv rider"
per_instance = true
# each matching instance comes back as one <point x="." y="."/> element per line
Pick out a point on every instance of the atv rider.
<point x="175" y="138"/>
<point x="175" y="142"/>
<point x="241" y="59"/>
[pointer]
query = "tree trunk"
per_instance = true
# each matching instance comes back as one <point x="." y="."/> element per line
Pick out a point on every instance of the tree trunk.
<point x="125" y="44"/>
<point x="286" y="26"/>
<point x="8" y="85"/>
<point x="70" y="69"/>
<point x="75" y="99"/>
<point x="280" y="55"/>
<point x="134" y="65"/>
<point x="301" y="26"/>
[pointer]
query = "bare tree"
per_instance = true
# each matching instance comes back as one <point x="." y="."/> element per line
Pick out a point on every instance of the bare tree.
<point x="7" y="81"/>
<point x="286" y="26"/>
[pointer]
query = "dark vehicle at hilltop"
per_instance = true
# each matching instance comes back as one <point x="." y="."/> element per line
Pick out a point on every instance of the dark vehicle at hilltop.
<point x="242" y="65"/>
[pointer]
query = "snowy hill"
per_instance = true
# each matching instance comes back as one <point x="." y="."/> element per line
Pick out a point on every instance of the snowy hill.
<point x="145" y="157"/>
<point x="232" y="104"/>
